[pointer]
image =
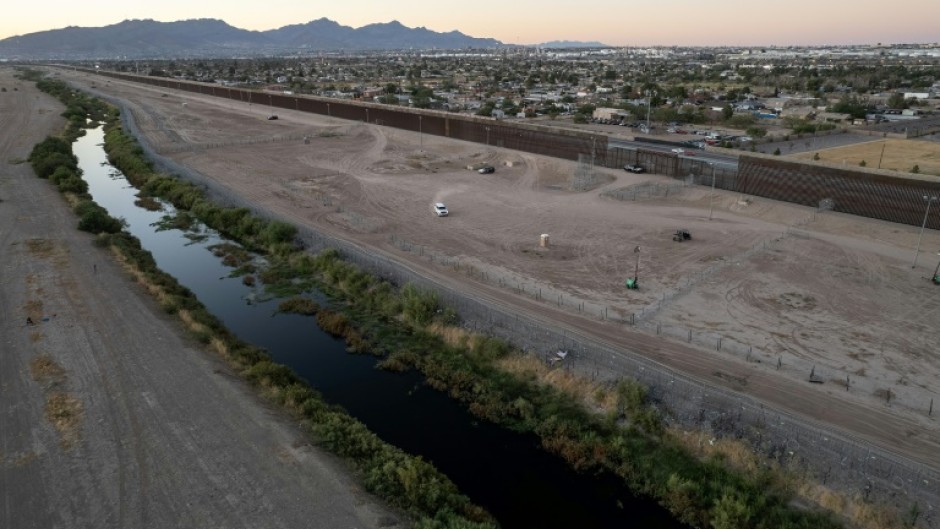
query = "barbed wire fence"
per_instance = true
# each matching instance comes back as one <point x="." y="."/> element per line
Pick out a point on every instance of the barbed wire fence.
<point x="194" y="147"/>
<point x="646" y="190"/>
<point x="806" y="448"/>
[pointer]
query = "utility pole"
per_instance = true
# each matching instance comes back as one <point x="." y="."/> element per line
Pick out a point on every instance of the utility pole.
<point x="922" y="226"/>
<point x="711" y="202"/>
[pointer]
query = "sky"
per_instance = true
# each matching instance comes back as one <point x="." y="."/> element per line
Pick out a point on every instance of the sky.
<point x="613" y="22"/>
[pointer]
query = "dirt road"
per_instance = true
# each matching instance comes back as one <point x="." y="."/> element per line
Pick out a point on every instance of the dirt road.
<point x="109" y="416"/>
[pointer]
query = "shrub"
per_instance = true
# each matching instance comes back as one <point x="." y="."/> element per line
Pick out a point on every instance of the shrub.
<point x="95" y="219"/>
<point x="73" y="184"/>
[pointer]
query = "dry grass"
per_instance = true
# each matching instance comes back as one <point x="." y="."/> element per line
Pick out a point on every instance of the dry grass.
<point x="218" y="345"/>
<point x="899" y="155"/>
<point x="72" y="199"/>
<point x="33" y="309"/>
<point x="44" y="369"/>
<point x="35" y="336"/>
<point x="155" y="291"/>
<point x="592" y="394"/>
<point x="64" y="412"/>
<point x="192" y="324"/>
<point x="871" y="516"/>
<point x="736" y="453"/>
<point x="40" y="247"/>
<point x="453" y="336"/>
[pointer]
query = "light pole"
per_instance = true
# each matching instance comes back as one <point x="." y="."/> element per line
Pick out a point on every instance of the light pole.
<point x="922" y="226"/>
<point x="649" y="107"/>
<point x="487" y="135"/>
<point x="631" y="282"/>
<point x="711" y="202"/>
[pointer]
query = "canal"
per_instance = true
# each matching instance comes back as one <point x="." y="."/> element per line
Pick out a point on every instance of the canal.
<point x="505" y="472"/>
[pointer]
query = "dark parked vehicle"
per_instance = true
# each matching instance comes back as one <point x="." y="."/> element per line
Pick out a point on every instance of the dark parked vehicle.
<point x="486" y="170"/>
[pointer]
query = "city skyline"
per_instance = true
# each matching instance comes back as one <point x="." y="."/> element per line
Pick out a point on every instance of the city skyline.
<point x="616" y="23"/>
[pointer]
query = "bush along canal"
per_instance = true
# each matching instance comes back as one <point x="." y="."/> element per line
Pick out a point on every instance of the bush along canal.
<point x="499" y="452"/>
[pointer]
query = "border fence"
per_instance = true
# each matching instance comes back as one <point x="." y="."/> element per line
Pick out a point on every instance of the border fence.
<point x="868" y="193"/>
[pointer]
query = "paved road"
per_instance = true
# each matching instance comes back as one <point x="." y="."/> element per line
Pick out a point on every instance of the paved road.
<point x="164" y="434"/>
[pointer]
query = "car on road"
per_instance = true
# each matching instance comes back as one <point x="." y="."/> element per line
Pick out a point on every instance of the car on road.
<point x="634" y="168"/>
<point x="488" y="169"/>
<point x="272" y="117"/>
<point x="440" y="209"/>
<point x="678" y="150"/>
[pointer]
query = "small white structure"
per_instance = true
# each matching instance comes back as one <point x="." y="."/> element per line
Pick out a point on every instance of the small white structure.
<point x="543" y="240"/>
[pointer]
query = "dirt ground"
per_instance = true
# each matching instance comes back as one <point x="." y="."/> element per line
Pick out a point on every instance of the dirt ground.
<point x="896" y="155"/>
<point x="790" y="293"/>
<point x="109" y="417"/>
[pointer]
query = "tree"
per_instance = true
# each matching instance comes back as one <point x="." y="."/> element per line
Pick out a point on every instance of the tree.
<point x="727" y="112"/>
<point x="756" y="132"/>
<point x="915" y="169"/>
<point x="851" y="105"/>
<point x="586" y="109"/>
<point x="897" y="101"/>
<point x="777" y="151"/>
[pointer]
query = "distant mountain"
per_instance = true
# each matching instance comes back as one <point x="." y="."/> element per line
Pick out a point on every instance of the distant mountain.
<point x="573" y="44"/>
<point x="214" y="38"/>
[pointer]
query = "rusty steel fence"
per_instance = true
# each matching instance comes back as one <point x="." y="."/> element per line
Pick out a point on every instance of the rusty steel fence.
<point x="529" y="138"/>
<point x="871" y="194"/>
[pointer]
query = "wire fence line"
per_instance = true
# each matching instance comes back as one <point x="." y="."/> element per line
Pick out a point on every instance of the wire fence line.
<point x="810" y="449"/>
<point x="193" y="147"/>
<point x="646" y="190"/>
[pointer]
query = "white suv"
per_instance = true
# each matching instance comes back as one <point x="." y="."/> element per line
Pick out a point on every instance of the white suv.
<point x="440" y="209"/>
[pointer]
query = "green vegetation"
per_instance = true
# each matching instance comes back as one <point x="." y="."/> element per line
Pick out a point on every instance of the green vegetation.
<point x="404" y="481"/>
<point x="628" y="441"/>
<point x="299" y="305"/>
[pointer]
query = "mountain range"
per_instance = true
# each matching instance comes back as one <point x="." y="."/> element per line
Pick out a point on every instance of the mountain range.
<point x="216" y="38"/>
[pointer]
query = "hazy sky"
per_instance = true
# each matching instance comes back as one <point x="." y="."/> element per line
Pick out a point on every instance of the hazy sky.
<point x="614" y="22"/>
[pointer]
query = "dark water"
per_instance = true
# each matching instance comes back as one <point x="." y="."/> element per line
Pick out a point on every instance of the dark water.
<point x="505" y="472"/>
